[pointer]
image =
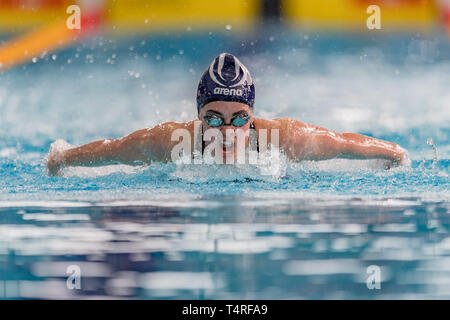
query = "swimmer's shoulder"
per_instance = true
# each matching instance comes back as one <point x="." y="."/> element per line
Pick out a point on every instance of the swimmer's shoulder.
<point x="166" y="129"/>
<point x="162" y="137"/>
<point x="289" y="129"/>
<point x="170" y="126"/>
<point x="171" y="132"/>
<point x="284" y="123"/>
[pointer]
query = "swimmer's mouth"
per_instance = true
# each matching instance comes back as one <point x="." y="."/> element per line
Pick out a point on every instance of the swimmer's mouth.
<point x="228" y="147"/>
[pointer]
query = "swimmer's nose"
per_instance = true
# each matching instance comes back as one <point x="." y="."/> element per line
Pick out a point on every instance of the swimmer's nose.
<point x="230" y="128"/>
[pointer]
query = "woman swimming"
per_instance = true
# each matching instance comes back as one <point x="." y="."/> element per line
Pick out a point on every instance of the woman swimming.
<point x="225" y="99"/>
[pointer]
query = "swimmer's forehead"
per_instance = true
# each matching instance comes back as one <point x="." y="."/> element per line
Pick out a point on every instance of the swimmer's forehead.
<point x="227" y="108"/>
<point x="213" y="112"/>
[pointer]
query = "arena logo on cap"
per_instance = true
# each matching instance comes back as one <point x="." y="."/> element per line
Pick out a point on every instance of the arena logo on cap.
<point x="238" y="69"/>
<point x="228" y="92"/>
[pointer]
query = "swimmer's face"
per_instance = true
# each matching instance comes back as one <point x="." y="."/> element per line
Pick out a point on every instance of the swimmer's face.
<point x="228" y="111"/>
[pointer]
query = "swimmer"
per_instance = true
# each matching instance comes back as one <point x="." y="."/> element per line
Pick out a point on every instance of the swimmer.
<point x="225" y="99"/>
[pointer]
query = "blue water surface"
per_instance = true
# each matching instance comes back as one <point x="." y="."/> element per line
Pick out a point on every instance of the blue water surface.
<point x="167" y="231"/>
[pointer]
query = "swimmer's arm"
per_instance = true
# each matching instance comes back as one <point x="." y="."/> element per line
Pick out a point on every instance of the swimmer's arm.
<point x="140" y="147"/>
<point x="126" y="150"/>
<point x="309" y="142"/>
<point x="358" y="146"/>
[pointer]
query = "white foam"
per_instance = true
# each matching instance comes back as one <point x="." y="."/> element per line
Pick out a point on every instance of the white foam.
<point x="89" y="172"/>
<point x="8" y="152"/>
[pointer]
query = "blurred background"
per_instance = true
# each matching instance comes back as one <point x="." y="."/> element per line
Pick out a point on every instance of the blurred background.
<point x="307" y="58"/>
<point x="201" y="15"/>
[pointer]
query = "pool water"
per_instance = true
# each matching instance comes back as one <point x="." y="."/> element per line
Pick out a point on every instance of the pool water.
<point x="310" y="230"/>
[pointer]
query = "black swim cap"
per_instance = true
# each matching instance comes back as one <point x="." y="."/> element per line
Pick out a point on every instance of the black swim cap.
<point x="226" y="79"/>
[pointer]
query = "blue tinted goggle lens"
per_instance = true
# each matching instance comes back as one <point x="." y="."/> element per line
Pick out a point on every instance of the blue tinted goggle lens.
<point x="239" y="121"/>
<point x="214" y="121"/>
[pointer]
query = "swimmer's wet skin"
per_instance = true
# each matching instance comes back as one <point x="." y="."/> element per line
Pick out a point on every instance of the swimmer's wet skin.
<point x="225" y="99"/>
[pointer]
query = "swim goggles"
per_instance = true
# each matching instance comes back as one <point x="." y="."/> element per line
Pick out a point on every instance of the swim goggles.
<point x="237" y="121"/>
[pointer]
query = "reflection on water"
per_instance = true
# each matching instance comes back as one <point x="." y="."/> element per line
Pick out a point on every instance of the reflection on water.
<point x="249" y="249"/>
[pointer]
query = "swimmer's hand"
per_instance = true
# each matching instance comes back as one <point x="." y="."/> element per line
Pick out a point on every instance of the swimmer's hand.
<point x="401" y="158"/>
<point x="55" y="157"/>
<point x="54" y="165"/>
